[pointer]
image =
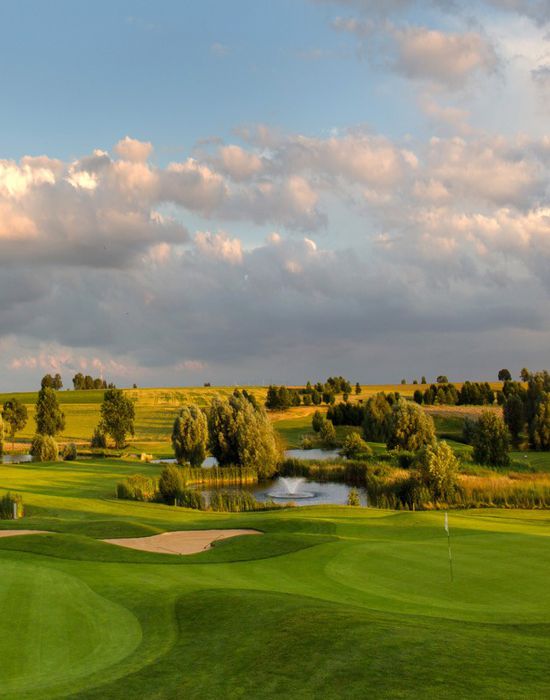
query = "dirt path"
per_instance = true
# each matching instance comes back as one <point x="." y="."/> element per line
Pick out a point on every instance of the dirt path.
<point x="181" y="541"/>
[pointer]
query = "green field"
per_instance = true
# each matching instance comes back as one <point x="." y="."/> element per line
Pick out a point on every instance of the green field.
<point x="331" y="602"/>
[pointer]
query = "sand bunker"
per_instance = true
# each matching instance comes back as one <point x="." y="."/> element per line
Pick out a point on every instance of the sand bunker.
<point x="181" y="541"/>
<point x="13" y="533"/>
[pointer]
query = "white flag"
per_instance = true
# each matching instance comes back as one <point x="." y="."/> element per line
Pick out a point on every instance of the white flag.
<point x="446" y="523"/>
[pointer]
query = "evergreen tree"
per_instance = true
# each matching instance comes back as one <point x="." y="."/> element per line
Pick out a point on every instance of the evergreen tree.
<point x="50" y="420"/>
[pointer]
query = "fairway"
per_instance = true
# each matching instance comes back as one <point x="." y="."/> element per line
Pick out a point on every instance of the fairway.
<point x="329" y="602"/>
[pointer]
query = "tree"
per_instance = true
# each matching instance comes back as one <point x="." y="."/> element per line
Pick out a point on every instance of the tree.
<point x="317" y="421"/>
<point x="357" y="388"/>
<point x="240" y="433"/>
<point x="50" y="420"/>
<point x="418" y="397"/>
<point x="354" y="446"/>
<point x="353" y="497"/>
<point x="541" y="425"/>
<point x="57" y="382"/>
<point x="410" y="428"/>
<point x="15" y="414"/>
<point x="190" y="436"/>
<point x="513" y="413"/>
<point x="1" y="436"/>
<point x="46" y="382"/>
<point x="438" y="469"/>
<point x="328" y="434"/>
<point x="442" y="379"/>
<point x="491" y="440"/>
<point x="117" y="416"/>
<point x="44" y="448"/>
<point x="525" y="375"/>
<point x="423" y="380"/>
<point x="376" y="420"/>
<point x="504" y="375"/>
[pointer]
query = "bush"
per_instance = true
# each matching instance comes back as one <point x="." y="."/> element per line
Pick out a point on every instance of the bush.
<point x="317" y="421"/>
<point x="188" y="498"/>
<point x="438" y="468"/>
<point x="44" y="448"/>
<point x="171" y="484"/>
<point x="99" y="439"/>
<point x="328" y="434"/>
<point x="353" y="498"/>
<point x="354" y="447"/>
<point x="137" y="488"/>
<point x="307" y="443"/>
<point x="69" y="452"/>
<point x="11" y="506"/>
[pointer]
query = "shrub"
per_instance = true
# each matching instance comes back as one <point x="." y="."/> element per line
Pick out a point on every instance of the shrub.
<point x="11" y="506"/>
<point x="354" y="447"/>
<point x="307" y="443"/>
<point x="137" y="488"/>
<point x="171" y="484"/>
<point x="438" y="468"/>
<point x="491" y="441"/>
<point x="328" y="434"/>
<point x="99" y="439"/>
<point x="69" y="452"/>
<point x="353" y="498"/>
<point x="188" y="498"/>
<point x="44" y="448"/>
<point x="410" y="428"/>
<point x="317" y="421"/>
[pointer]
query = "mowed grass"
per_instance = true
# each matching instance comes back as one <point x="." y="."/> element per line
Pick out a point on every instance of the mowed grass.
<point x="331" y="602"/>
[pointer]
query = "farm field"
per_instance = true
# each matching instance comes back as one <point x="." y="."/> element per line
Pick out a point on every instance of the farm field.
<point x="329" y="602"/>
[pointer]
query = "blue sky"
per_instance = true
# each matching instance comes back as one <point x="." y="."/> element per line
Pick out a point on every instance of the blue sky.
<point x="259" y="191"/>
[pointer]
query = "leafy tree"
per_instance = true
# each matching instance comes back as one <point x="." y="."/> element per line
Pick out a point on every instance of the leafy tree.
<point x="442" y="379"/>
<point x="317" y="421"/>
<point x="469" y="427"/>
<point x="354" y="446"/>
<point x="423" y="380"/>
<point x="117" y="416"/>
<point x="44" y="448"/>
<point x="541" y="425"/>
<point x="57" y="382"/>
<point x="438" y="469"/>
<point x="1" y="436"/>
<point x="513" y="413"/>
<point x="328" y="434"/>
<point x="316" y="397"/>
<point x="357" y="388"/>
<point x="354" y="498"/>
<point x="15" y="414"/>
<point x="242" y="434"/>
<point x="418" y="397"/>
<point x="504" y="375"/>
<point x="491" y="441"/>
<point x="525" y="375"/>
<point x="377" y="416"/>
<point x="46" y="382"/>
<point x="410" y="428"/>
<point x="190" y="436"/>
<point x="50" y="420"/>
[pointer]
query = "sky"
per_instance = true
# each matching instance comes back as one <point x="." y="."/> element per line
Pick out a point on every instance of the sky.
<point x="273" y="190"/>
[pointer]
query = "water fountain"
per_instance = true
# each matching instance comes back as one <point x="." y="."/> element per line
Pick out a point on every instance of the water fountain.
<point x="288" y="487"/>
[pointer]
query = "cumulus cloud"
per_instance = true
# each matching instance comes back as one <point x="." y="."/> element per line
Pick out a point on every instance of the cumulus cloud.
<point x="133" y="150"/>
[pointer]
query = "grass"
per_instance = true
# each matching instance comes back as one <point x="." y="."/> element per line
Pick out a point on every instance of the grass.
<point x="330" y="602"/>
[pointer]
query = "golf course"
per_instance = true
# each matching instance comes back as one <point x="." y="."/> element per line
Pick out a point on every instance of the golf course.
<point x="329" y="602"/>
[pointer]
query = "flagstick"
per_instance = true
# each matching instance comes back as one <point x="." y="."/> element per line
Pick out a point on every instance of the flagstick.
<point x="449" y="546"/>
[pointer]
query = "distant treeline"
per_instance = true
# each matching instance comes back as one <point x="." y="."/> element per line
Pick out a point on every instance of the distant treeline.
<point x="470" y="394"/>
<point x="81" y="381"/>
<point x="279" y="398"/>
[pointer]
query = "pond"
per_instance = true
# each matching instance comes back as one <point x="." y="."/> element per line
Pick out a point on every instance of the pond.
<point x="308" y="493"/>
<point x="15" y="459"/>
